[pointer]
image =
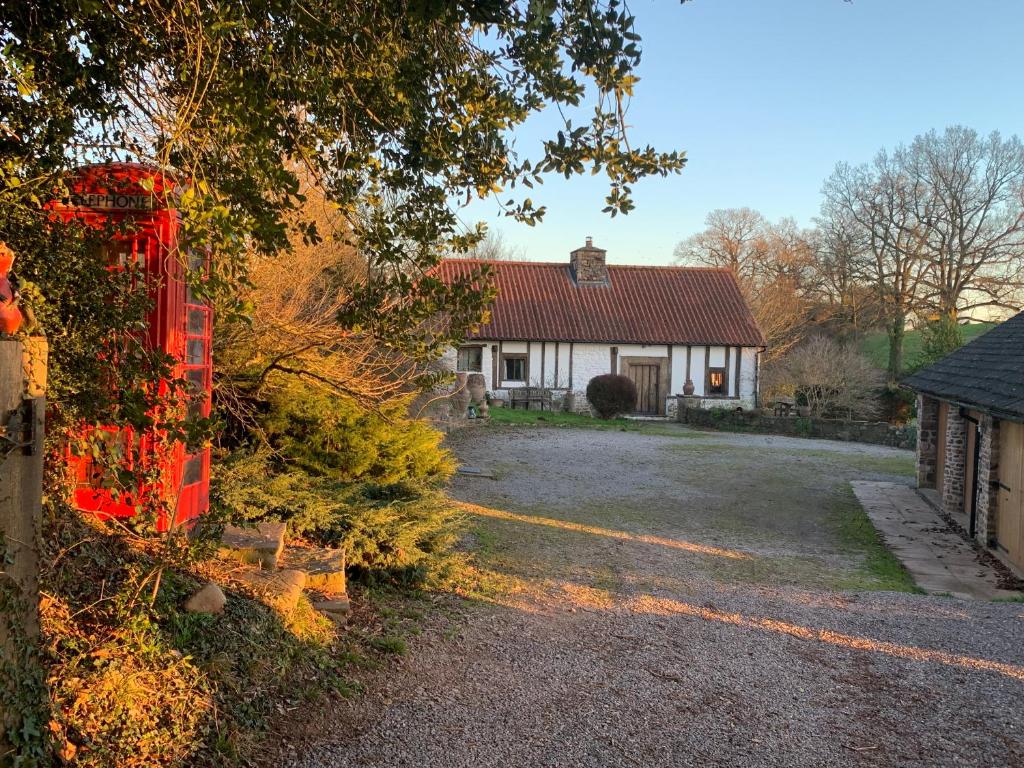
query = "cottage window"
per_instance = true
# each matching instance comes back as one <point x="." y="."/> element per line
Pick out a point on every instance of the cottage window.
<point x="471" y="359"/>
<point x="514" y="367"/>
<point x="716" y="381"/>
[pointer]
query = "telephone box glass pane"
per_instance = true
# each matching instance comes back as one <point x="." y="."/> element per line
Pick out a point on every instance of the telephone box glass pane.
<point x="197" y="322"/>
<point x="196" y="352"/>
<point x="193" y="470"/>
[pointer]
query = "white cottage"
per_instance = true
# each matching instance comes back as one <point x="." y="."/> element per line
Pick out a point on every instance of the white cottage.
<point x="558" y="325"/>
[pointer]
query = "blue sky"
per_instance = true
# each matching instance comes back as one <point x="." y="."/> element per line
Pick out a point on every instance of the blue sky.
<point x="765" y="97"/>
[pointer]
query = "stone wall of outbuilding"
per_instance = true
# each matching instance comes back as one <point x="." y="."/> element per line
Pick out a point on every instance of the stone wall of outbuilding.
<point x="953" y="469"/>
<point x="955" y="437"/>
<point x="927" y="440"/>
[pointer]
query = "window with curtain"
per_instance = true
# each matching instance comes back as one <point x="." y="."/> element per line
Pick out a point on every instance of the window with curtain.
<point x="471" y="359"/>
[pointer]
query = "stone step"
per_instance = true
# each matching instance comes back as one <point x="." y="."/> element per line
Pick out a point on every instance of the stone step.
<point x="324" y="567"/>
<point x="261" y="545"/>
<point x="278" y="589"/>
<point x="335" y="610"/>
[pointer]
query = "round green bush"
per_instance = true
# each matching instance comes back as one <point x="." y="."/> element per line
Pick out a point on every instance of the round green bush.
<point x="611" y="394"/>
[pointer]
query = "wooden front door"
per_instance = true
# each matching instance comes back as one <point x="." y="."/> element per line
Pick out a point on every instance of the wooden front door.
<point x="1010" y="508"/>
<point x="647" y="379"/>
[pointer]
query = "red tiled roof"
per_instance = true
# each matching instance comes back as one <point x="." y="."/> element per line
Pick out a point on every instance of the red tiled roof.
<point x="643" y="305"/>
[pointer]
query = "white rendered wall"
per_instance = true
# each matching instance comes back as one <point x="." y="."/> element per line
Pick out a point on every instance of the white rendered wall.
<point x="677" y="377"/>
<point x="716" y="358"/>
<point x="563" y="364"/>
<point x="533" y="369"/>
<point x="642" y="350"/>
<point x="697" y="369"/>
<point x="590" y="360"/>
<point x="551" y="375"/>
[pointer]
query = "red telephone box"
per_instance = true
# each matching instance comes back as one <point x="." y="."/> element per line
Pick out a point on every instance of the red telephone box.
<point x="179" y="324"/>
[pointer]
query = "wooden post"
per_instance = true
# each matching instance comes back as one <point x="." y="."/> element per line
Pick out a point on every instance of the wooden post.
<point x="22" y="409"/>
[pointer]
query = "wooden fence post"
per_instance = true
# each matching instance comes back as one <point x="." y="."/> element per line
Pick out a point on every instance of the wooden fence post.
<point x="22" y="412"/>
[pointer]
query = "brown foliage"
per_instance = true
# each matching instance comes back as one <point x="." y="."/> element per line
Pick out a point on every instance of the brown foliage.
<point x="293" y="331"/>
<point x="773" y="264"/>
<point x="835" y="379"/>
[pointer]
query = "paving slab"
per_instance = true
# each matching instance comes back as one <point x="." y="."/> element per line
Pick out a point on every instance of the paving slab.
<point x="475" y="472"/>
<point x="335" y="610"/>
<point x="261" y="545"/>
<point x="938" y="558"/>
<point x="324" y="567"/>
<point x="278" y="589"/>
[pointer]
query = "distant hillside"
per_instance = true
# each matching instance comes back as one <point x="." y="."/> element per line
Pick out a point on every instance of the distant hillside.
<point x="876" y="345"/>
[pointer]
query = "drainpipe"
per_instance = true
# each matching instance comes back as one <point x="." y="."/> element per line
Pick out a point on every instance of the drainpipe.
<point x="974" y="474"/>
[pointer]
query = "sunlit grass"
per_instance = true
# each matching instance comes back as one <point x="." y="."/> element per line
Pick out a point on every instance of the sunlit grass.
<point x="688" y="546"/>
<point x="876" y="345"/>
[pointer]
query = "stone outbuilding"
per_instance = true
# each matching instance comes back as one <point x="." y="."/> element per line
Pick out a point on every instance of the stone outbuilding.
<point x="970" y="443"/>
<point x="557" y="325"/>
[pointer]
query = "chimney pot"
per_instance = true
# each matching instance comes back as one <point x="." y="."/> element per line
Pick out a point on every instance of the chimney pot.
<point x="590" y="241"/>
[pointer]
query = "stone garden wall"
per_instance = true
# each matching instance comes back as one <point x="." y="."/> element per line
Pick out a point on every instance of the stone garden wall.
<point x="877" y="433"/>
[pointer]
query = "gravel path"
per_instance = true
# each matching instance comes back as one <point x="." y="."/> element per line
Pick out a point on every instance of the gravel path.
<point x="668" y="601"/>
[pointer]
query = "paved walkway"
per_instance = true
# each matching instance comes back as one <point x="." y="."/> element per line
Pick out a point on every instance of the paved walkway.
<point x="940" y="560"/>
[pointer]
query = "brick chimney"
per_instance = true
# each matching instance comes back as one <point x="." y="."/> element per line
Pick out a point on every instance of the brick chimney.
<point x="588" y="265"/>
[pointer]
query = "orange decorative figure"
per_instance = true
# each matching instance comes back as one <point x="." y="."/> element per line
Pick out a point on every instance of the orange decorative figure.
<point x="10" y="315"/>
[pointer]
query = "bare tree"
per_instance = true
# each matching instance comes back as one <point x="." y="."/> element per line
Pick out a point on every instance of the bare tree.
<point x="970" y="191"/>
<point x="772" y="264"/>
<point x="494" y="247"/>
<point x="878" y="204"/>
<point x="847" y="300"/>
<point x="733" y="239"/>
<point x="833" y="378"/>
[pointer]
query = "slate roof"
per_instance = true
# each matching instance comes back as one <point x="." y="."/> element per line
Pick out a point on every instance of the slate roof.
<point x="642" y="305"/>
<point x="987" y="373"/>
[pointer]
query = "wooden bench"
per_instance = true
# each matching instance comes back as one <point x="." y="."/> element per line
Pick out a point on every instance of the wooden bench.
<point x="527" y="396"/>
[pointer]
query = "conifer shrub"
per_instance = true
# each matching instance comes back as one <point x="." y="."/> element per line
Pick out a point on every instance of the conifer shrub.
<point x="333" y="437"/>
<point x="939" y="337"/>
<point x="611" y="394"/>
<point x="341" y="475"/>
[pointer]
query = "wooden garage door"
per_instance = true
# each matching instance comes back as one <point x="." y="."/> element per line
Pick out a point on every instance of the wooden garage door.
<point x="1010" y="511"/>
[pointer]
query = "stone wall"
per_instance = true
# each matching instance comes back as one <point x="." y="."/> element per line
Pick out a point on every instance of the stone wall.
<point x="953" y="468"/>
<point x="877" y="433"/>
<point x="927" y="440"/>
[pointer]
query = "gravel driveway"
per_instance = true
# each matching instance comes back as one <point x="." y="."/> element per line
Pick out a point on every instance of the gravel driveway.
<point x="686" y="599"/>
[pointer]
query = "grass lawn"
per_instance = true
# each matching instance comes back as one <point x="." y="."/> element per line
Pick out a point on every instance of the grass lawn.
<point x="785" y="505"/>
<point x="580" y="420"/>
<point x="554" y="419"/>
<point x="876" y="345"/>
